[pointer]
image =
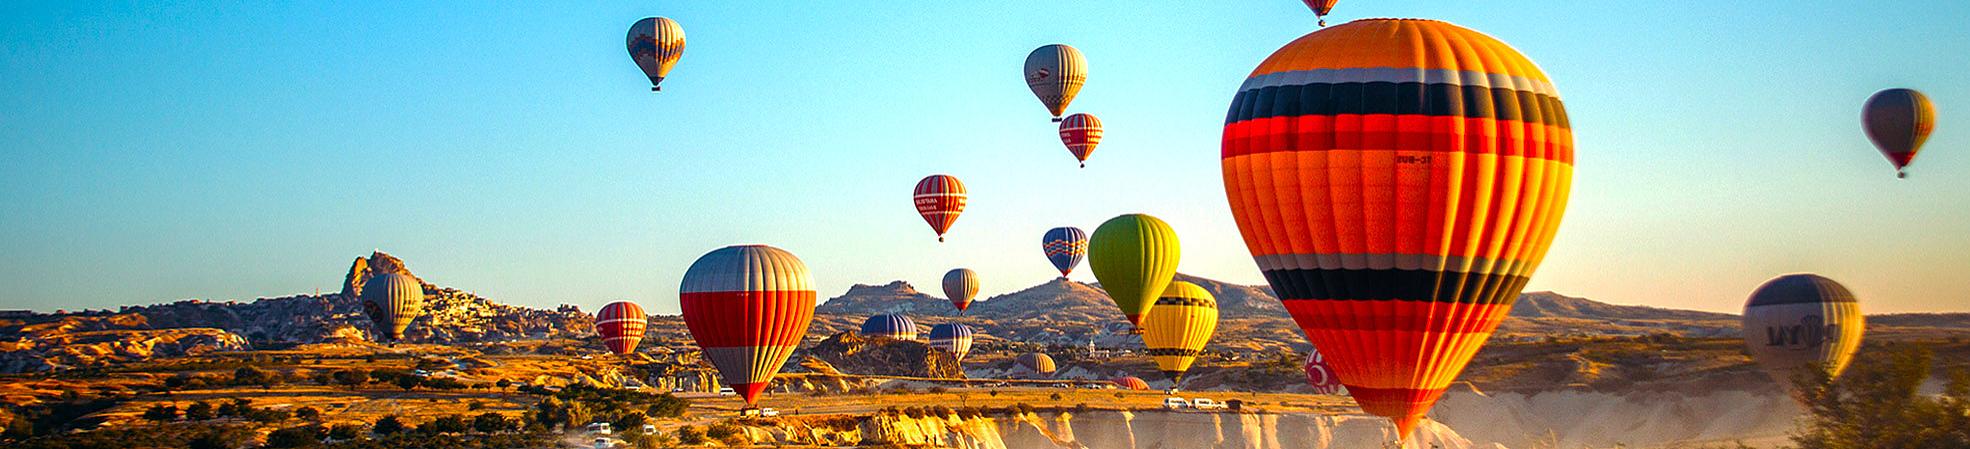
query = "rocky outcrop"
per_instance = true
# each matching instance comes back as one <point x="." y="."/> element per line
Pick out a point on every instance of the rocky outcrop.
<point x="848" y="352"/>
<point x="1100" y="430"/>
<point x="56" y="348"/>
<point x="1599" y="419"/>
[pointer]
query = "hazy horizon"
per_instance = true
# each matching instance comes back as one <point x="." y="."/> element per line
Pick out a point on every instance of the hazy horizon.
<point x="168" y="151"/>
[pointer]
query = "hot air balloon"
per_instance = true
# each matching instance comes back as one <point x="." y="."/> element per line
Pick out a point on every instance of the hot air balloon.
<point x="1056" y="72"/>
<point x="748" y="306"/>
<point x="1182" y="321"/>
<point x="1321" y="8"/>
<point x="961" y="285"/>
<point x="954" y="338"/>
<point x="1065" y="247"/>
<point x="1397" y="181"/>
<point x="1036" y="362"/>
<point x="621" y="324"/>
<point x="1320" y="376"/>
<point x="1081" y="132"/>
<point x="1802" y="321"/>
<point x="392" y="301"/>
<point x="1898" y="121"/>
<point x="939" y="198"/>
<point x="655" y="43"/>
<point x="1134" y="257"/>
<point x="891" y="326"/>
<point x="1131" y="383"/>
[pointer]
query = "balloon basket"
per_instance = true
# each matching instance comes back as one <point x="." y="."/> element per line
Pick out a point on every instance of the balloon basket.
<point x="656" y="89"/>
<point x="1056" y="119"/>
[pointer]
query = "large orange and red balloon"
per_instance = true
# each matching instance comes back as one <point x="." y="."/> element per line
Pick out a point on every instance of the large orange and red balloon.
<point x="939" y="199"/>
<point x="621" y="324"/>
<point x="1397" y="181"/>
<point x="1898" y="121"/>
<point x="748" y="307"/>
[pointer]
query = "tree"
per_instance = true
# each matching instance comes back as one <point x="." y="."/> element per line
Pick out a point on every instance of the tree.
<point x="200" y="411"/>
<point x="503" y="384"/>
<point x="351" y="378"/>
<point x="303" y="436"/>
<point x="388" y="425"/>
<point x="650" y="440"/>
<point x="453" y="423"/>
<point x="408" y="383"/>
<point x="1878" y="404"/>
<point x="491" y="422"/>
<point x="162" y="413"/>
<point x="631" y="420"/>
<point x="307" y="413"/>
<point x="345" y="432"/>
<point x="238" y="407"/>
<point x="247" y="375"/>
<point x="690" y="436"/>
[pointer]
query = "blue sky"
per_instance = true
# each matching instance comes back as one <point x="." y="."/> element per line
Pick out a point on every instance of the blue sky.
<point x="157" y="151"/>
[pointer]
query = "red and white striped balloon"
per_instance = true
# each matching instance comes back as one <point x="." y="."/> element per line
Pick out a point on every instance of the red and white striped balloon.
<point x="1081" y="132"/>
<point x="1320" y="376"/>
<point x="748" y="306"/>
<point x="621" y="324"/>
<point x="939" y="198"/>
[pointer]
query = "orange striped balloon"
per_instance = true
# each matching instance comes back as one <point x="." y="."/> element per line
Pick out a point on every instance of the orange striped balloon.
<point x="939" y="198"/>
<point x="748" y="306"/>
<point x="1398" y="181"/>
<point x="621" y="325"/>
<point x="1081" y="132"/>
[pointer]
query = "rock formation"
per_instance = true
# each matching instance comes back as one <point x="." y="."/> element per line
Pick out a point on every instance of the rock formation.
<point x="850" y="353"/>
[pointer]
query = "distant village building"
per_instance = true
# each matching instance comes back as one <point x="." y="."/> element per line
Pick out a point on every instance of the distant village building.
<point x="16" y="313"/>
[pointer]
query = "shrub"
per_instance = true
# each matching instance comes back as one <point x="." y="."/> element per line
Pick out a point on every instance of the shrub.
<point x="1055" y="396"/>
<point x="200" y="411"/>
<point x="388" y="425"/>
<point x="303" y="436"/>
<point x="490" y="422"/>
<point x="690" y="436"/>
<point x="307" y="413"/>
<point x="162" y="413"/>
<point x="444" y="424"/>
<point x="346" y="431"/>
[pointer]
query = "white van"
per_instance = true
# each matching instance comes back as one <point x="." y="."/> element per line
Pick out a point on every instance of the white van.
<point x="1174" y="403"/>
<point x="1207" y="404"/>
<point x="599" y="428"/>
<point x="727" y="391"/>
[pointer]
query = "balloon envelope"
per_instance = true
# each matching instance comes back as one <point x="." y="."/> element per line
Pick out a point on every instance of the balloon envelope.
<point x="955" y="338"/>
<point x="1898" y="121"/>
<point x="1134" y="257"/>
<point x="655" y="43"/>
<point x="1802" y="321"/>
<point x="961" y="285"/>
<point x="1320" y="376"/>
<point x="1397" y="181"/>
<point x="1065" y="247"/>
<point x="939" y="199"/>
<point x="1056" y="72"/>
<point x="1036" y="362"/>
<point x="1131" y="383"/>
<point x="1178" y="326"/>
<point x="621" y="324"/>
<point x="890" y="325"/>
<point x="1080" y="132"/>
<point x="392" y="301"/>
<point x="748" y="307"/>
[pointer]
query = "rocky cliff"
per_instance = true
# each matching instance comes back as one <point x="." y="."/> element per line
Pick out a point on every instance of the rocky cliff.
<point x="1099" y="430"/>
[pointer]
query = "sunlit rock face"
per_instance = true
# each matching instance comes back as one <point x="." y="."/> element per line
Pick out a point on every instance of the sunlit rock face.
<point x="1602" y="419"/>
<point x="1153" y="429"/>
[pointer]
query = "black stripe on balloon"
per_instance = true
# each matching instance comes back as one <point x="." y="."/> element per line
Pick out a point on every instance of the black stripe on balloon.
<point x="1175" y="301"/>
<point x="1439" y="99"/>
<point x="1396" y="285"/>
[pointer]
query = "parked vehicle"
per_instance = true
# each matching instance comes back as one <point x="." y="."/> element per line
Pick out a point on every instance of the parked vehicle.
<point x="768" y="412"/>
<point x="727" y="391"/>
<point x="1207" y="404"/>
<point x="1175" y="403"/>
<point x="599" y="428"/>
